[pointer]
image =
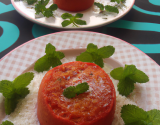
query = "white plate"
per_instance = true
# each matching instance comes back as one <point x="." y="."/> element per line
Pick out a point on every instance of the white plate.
<point x="147" y="95"/>
<point x="91" y="15"/>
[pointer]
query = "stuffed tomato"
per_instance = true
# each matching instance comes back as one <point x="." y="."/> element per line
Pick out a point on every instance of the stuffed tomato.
<point x="93" y="107"/>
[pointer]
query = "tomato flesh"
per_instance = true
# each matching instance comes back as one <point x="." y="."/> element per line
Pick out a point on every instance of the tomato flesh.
<point x="94" y="107"/>
<point x="74" y="5"/>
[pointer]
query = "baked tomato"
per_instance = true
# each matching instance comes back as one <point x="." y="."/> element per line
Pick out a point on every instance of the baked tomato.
<point x="74" y="5"/>
<point x="94" y="107"/>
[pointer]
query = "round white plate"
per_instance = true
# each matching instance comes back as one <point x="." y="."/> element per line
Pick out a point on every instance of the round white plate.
<point x="91" y="15"/>
<point x="147" y="95"/>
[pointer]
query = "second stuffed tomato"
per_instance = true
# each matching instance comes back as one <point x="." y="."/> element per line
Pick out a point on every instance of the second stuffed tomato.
<point x="74" y="5"/>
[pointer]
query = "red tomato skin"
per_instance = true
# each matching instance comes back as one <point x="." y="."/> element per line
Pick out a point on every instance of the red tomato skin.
<point x="74" y="5"/>
<point x="44" y="111"/>
<point x="47" y="117"/>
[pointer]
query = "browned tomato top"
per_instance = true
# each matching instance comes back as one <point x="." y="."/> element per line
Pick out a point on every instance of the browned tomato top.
<point x="84" y="107"/>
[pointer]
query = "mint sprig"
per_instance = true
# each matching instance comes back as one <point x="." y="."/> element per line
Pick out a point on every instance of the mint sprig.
<point x="133" y="115"/>
<point x="30" y="2"/>
<point x="50" y="59"/>
<point x="72" y="19"/>
<point x="93" y="54"/>
<point x="72" y="91"/>
<point x="118" y="1"/>
<point x="128" y="76"/>
<point x="107" y="8"/>
<point x="7" y="123"/>
<point x="40" y="7"/>
<point x="15" y="90"/>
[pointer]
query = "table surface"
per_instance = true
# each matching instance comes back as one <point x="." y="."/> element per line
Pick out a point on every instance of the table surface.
<point x="141" y="28"/>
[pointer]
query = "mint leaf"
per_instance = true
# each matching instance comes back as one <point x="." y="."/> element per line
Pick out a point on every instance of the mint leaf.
<point x="30" y="2"/>
<point x="53" y="7"/>
<point x="42" y="64"/>
<point x="81" y="88"/>
<point x="40" y="7"/>
<point x="131" y="114"/>
<point x="141" y="122"/>
<point x="92" y="48"/>
<point x="93" y="54"/>
<point x="111" y="9"/>
<point x="72" y="91"/>
<point x="50" y="49"/>
<point x="7" y="123"/>
<point x="79" y="15"/>
<point x="22" y="92"/>
<point x="80" y="22"/>
<point x="10" y="105"/>
<point x="44" y="2"/>
<point x="139" y="77"/>
<point x="66" y="23"/>
<point x="60" y="55"/>
<point x="117" y="73"/>
<point x="99" y="61"/>
<point x="84" y="57"/>
<point x="51" y="59"/>
<point x="129" y="70"/>
<point x="6" y="88"/>
<point x="23" y="80"/>
<point x="66" y="16"/>
<point x="154" y="117"/>
<point x="107" y="8"/>
<point x="69" y="92"/>
<point x="125" y="86"/>
<point x="73" y="19"/>
<point x="106" y="51"/>
<point x="127" y="77"/>
<point x="13" y="91"/>
<point x="55" y="61"/>
<point x="99" y="5"/>
<point x="118" y="1"/>
<point x="48" y="13"/>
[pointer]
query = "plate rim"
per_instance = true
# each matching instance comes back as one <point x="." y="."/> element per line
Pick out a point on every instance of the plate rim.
<point x="69" y="28"/>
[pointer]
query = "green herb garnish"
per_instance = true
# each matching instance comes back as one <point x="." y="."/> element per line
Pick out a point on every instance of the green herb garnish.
<point x="133" y="115"/>
<point x="72" y="91"/>
<point x="93" y="54"/>
<point x="107" y="8"/>
<point x="118" y="1"/>
<point x="30" y="2"/>
<point x="7" y="123"/>
<point x="51" y="59"/>
<point x="72" y="19"/>
<point x="40" y="7"/>
<point x="127" y="76"/>
<point x="15" y="90"/>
